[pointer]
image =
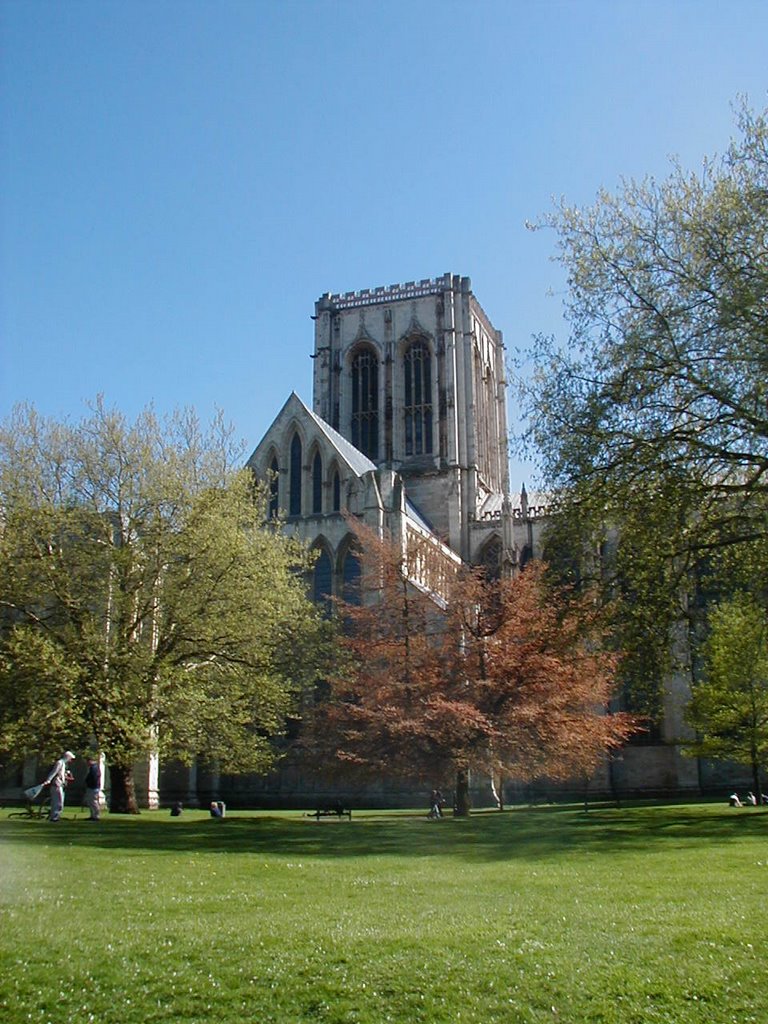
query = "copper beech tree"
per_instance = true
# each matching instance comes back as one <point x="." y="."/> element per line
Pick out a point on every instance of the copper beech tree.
<point x="497" y="675"/>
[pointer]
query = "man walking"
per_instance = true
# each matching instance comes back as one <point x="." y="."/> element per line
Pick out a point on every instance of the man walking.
<point x="93" y="789"/>
<point x="58" y="777"/>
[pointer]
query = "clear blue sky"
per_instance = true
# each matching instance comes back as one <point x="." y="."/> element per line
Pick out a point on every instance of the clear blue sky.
<point x="180" y="180"/>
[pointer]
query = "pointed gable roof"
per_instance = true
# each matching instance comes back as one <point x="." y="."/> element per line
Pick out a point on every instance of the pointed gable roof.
<point x="294" y="408"/>
<point x="357" y="461"/>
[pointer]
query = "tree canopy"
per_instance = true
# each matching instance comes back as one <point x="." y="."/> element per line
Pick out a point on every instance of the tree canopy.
<point x="729" y="707"/>
<point x="654" y="417"/>
<point x="503" y="676"/>
<point x="145" y="606"/>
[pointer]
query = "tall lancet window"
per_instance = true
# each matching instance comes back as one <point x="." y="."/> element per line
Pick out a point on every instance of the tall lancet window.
<point x="351" y="578"/>
<point x="294" y="502"/>
<point x="322" y="581"/>
<point x="365" y="403"/>
<point x="336" y="491"/>
<point x="274" y="472"/>
<point x="418" y="399"/>
<point x="317" y="484"/>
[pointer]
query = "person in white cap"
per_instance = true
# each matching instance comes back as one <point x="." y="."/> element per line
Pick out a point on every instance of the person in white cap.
<point x="57" y="779"/>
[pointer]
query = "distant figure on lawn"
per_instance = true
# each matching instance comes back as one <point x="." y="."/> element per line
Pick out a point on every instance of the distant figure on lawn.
<point x="218" y="808"/>
<point x="93" y="789"/>
<point x="734" y="801"/>
<point x="435" y="804"/>
<point x="58" y="778"/>
<point x="176" y="809"/>
<point x="751" y="799"/>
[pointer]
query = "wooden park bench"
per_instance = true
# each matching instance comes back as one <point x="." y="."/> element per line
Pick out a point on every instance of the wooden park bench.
<point x="330" y="810"/>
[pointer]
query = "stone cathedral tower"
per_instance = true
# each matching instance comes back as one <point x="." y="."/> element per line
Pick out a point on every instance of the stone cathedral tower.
<point x="413" y="376"/>
<point x="407" y="432"/>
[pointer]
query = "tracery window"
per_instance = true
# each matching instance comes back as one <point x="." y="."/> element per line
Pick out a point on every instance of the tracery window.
<point x="274" y="471"/>
<point x="365" y="403"/>
<point x="317" y="484"/>
<point x="418" y="399"/>
<point x="491" y="558"/>
<point x="294" y="503"/>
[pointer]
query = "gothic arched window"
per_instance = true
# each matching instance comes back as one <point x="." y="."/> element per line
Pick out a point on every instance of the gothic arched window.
<point x="491" y="558"/>
<point x="365" y="403"/>
<point x="418" y="399"/>
<point x="336" y="491"/>
<point x="322" y="579"/>
<point x="351" y="578"/>
<point x="317" y="484"/>
<point x="294" y="502"/>
<point x="274" y="471"/>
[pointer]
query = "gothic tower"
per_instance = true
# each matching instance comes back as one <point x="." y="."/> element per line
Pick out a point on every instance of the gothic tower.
<point x="413" y="376"/>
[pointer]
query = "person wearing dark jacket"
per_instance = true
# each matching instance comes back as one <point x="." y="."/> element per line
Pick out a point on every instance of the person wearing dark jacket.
<point x="93" y="789"/>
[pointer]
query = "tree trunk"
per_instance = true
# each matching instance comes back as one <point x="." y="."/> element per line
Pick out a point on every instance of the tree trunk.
<point x="123" y="797"/>
<point x="462" y="805"/>
<point x="756" y="778"/>
<point x="498" y="791"/>
<point x="612" y="779"/>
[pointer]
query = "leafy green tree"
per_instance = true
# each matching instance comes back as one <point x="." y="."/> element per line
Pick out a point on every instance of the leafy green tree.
<point x="654" y="417"/>
<point x="145" y="606"/>
<point x="729" y="709"/>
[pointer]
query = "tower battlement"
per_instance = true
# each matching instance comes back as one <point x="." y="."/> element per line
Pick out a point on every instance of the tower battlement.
<point x="393" y="292"/>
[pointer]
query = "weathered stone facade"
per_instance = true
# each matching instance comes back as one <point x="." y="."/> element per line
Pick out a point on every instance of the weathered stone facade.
<point x="437" y="396"/>
<point x="409" y="417"/>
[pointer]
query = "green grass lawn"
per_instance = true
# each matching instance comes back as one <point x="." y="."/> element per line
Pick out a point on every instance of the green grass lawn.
<point x="645" y="914"/>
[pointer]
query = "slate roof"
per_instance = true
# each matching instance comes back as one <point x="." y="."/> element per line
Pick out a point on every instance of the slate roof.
<point x="418" y="516"/>
<point x="358" y="462"/>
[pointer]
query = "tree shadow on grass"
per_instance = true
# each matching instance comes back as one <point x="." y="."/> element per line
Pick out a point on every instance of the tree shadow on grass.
<point x="527" y="834"/>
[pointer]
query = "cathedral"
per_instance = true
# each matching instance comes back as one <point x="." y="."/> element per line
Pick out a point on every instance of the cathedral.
<point x="408" y="433"/>
<point x="407" y="430"/>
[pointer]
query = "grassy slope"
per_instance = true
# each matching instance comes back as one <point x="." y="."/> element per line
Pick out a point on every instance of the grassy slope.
<point x="639" y="915"/>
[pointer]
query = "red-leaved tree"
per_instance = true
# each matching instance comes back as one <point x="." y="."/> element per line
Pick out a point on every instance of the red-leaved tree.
<point x="498" y="675"/>
<point x="541" y="674"/>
